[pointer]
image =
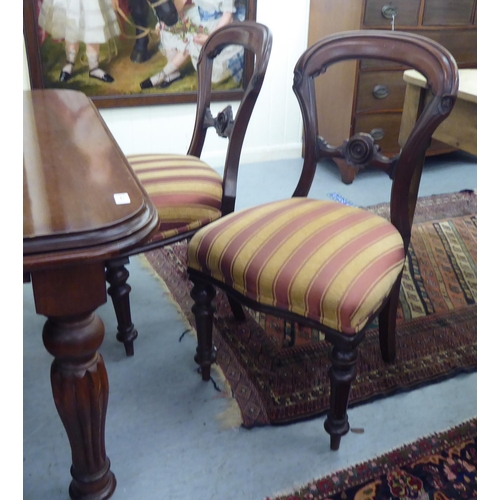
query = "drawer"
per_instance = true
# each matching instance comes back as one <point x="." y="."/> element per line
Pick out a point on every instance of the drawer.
<point x="380" y="90"/>
<point x="387" y="123"/>
<point x="390" y="123"/>
<point x="407" y="13"/>
<point x="448" y="12"/>
<point x="462" y="43"/>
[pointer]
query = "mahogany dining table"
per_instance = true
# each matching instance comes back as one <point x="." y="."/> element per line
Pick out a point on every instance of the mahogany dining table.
<point x="82" y="206"/>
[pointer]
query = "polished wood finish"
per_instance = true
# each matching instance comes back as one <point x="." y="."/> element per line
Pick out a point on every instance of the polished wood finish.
<point x="405" y="170"/>
<point x="352" y="107"/>
<point x="257" y="40"/>
<point x="460" y="128"/>
<point x="68" y="150"/>
<point x="449" y="12"/>
<point x="72" y="224"/>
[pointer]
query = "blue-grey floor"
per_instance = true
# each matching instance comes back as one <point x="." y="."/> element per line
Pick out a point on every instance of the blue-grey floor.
<point x="164" y="434"/>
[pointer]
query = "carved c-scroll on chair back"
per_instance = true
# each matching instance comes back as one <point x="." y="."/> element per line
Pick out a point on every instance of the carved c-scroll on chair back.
<point x="320" y="263"/>
<point x="187" y="192"/>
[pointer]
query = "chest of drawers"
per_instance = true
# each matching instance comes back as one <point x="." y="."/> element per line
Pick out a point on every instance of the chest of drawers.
<point x="367" y="96"/>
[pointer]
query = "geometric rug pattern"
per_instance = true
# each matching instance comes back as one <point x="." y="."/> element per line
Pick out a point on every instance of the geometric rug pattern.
<point x="439" y="467"/>
<point x="278" y="371"/>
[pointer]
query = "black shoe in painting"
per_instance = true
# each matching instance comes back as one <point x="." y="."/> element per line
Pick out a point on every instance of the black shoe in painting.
<point x="101" y="75"/>
<point x="64" y="76"/>
<point x="169" y="79"/>
<point x="147" y="84"/>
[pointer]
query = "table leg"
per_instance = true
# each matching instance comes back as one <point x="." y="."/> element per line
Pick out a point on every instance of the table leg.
<point x="73" y="333"/>
<point x="80" y="388"/>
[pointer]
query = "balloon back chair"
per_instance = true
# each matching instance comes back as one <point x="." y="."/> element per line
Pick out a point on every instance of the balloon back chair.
<point x="320" y="263"/>
<point x="187" y="192"/>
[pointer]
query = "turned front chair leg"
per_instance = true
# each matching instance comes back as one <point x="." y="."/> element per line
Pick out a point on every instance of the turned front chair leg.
<point x="341" y="373"/>
<point x="387" y="324"/>
<point x="203" y="310"/>
<point x="119" y="291"/>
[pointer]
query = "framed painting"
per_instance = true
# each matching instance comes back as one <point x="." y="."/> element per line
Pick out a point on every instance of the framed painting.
<point x="132" y="52"/>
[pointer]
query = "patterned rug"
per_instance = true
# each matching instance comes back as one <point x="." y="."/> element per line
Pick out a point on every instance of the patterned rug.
<point x="439" y="467"/>
<point x="278" y="371"/>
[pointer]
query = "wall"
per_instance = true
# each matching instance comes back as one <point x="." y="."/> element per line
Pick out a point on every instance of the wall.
<point x="275" y="128"/>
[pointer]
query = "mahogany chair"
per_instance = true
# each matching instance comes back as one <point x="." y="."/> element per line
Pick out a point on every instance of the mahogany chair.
<point x="324" y="264"/>
<point x="187" y="192"/>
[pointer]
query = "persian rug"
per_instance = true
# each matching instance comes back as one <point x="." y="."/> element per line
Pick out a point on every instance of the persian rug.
<point x="277" y="371"/>
<point x="439" y="467"/>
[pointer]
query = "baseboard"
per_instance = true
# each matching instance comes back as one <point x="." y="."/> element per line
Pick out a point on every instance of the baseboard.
<point x="257" y="155"/>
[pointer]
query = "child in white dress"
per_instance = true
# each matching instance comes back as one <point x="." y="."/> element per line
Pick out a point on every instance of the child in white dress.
<point x="90" y="21"/>
<point x="184" y="40"/>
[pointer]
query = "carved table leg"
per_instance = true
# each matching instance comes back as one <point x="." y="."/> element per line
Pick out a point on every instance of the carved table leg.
<point x="68" y="297"/>
<point x="342" y="373"/>
<point x="80" y="389"/>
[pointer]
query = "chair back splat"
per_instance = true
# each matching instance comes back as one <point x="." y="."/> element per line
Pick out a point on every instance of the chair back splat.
<point x="320" y="263"/>
<point x="251" y="37"/>
<point x="410" y="50"/>
<point x="187" y="193"/>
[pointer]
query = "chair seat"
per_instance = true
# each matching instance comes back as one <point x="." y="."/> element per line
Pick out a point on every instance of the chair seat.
<point x="186" y="192"/>
<point x="323" y="260"/>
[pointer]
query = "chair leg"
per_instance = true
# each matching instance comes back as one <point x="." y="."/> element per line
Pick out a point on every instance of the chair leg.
<point x="119" y="291"/>
<point x="203" y="310"/>
<point x="387" y="324"/>
<point x="237" y="309"/>
<point x="342" y="373"/>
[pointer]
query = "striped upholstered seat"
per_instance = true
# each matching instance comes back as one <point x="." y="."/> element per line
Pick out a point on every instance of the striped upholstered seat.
<point x="323" y="264"/>
<point x="322" y="260"/>
<point x="187" y="193"/>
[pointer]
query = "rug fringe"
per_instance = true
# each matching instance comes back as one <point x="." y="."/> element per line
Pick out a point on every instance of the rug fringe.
<point x="147" y="266"/>
<point x="231" y="417"/>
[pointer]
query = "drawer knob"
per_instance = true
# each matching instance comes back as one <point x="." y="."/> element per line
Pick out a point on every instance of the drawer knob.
<point x="377" y="134"/>
<point x="380" y="91"/>
<point x="389" y="11"/>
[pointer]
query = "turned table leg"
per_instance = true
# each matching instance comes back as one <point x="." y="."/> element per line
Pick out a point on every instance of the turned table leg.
<point x="80" y="388"/>
<point x="73" y="333"/>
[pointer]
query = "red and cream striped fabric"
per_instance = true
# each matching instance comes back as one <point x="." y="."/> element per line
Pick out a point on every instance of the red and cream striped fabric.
<point x="186" y="191"/>
<point x="323" y="260"/>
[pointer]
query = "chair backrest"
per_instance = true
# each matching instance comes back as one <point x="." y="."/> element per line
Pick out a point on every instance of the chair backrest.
<point x="410" y="50"/>
<point x="257" y="40"/>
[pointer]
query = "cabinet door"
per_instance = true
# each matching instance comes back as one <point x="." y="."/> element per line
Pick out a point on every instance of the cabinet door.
<point x="448" y="12"/>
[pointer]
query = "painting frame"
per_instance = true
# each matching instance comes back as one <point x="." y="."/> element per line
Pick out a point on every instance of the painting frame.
<point x="38" y="74"/>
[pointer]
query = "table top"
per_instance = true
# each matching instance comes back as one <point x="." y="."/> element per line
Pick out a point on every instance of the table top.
<point x="81" y="198"/>
<point x="467" y="82"/>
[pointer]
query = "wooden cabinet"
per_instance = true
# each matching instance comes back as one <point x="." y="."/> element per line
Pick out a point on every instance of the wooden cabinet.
<point x="368" y="96"/>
